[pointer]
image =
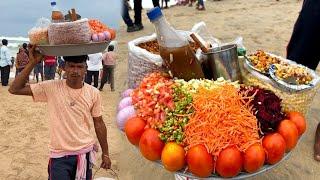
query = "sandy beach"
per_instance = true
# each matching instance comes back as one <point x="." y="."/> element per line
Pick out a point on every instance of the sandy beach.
<point x="264" y="25"/>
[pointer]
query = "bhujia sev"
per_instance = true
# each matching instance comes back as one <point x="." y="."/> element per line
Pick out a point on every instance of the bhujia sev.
<point x="222" y="117"/>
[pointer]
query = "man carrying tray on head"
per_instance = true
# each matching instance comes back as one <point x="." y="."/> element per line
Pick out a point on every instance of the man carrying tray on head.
<point x="72" y="104"/>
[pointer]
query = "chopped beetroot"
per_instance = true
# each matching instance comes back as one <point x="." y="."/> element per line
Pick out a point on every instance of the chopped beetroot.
<point x="267" y="108"/>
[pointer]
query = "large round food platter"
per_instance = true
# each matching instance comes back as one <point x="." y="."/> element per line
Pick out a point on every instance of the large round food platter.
<point x="193" y="145"/>
<point x="73" y="49"/>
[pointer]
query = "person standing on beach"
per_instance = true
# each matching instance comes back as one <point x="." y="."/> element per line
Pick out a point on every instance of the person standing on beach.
<point x="109" y="62"/>
<point x="166" y="4"/>
<point x="200" y="6"/>
<point x="304" y="46"/>
<point x="38" y="69"/>
<point x="156" y="3"/>
<point x="137" y="25"/>
<point x="12" y="62"/>
<point x="72" y="107"/>
<point x="60" y="69"/>
<point x="5" y="63"/>
<point x="22" y="58"/>
<point x="94" y="64"/>
<point x="50" y="66"/>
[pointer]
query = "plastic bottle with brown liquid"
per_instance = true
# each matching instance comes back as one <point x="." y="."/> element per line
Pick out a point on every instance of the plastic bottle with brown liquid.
<point x="56" y="15"/>
<point x="175" y="50"/>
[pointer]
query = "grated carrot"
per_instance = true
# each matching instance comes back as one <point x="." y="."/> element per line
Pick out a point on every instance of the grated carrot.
<point x="222" y="118"/>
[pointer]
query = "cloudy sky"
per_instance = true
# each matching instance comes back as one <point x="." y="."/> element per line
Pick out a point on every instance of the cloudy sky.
<point x="18" y="16"/>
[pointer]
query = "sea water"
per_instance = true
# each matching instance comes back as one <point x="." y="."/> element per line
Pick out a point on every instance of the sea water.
<point x="14" y="43"/>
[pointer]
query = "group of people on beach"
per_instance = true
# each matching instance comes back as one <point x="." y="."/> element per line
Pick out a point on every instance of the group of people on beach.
<point x="100" y="66"/>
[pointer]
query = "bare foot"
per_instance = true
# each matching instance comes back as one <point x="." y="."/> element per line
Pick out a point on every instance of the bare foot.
<point x="317" y="144"/>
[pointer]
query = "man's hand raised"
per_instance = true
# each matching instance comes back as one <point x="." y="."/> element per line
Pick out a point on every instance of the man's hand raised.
<point x="34" y="56"/>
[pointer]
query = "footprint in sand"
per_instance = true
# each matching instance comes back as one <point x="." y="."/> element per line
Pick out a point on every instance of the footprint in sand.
<point x="298" y="166"/>
<point x="256" y="40"/>
<point x="179" y="15"/>
<point x="269" y="30"/>
<point x="244" y="9"/>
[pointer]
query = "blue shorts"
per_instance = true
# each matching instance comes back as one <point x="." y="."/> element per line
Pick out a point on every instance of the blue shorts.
<point x="38" y="68"/>
<point x="49" y="71"/>
<point x="65" y="168"/>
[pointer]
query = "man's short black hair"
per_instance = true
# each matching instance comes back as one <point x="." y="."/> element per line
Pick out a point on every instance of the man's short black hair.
<point x="76" y="59"/>
<point x="25" y="45"/>
<point x="4" y="42"/>
<point x="110" y="48"/>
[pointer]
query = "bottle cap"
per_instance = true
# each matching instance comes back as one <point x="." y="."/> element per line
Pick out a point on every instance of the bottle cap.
<point x="53" y="3"/>
<point x="154" y="13"/>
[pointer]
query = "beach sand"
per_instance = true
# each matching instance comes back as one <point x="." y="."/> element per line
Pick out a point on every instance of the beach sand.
<point x="263" y="25"/>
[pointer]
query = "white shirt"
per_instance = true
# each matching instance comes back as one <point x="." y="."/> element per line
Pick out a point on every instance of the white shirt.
<point x="5" y="58"/>
<point x="95" y="62"/>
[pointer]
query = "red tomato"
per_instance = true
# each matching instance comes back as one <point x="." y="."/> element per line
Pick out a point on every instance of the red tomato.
<point x="254" y="158"/>
<point x="151" y="145"/>
<point x="298" y="120"/>
<point x="275" y="147"/>
<point x="200" y="162"/>
<point x="289" y="132"/>
<point x="134" y="128"/>
<point x="229" y="162"/>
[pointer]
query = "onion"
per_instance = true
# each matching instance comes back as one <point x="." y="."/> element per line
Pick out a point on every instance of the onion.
<point x="107" y="35"/>
<point x="126" y="93"/>
<point x="95" y="38"/>
<point x="125" y="102"/>
<point x="124" y="115"/>
<point x="101" y="37"/>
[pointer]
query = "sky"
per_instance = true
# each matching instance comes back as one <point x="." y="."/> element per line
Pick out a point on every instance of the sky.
<point x="19" y="16"/>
